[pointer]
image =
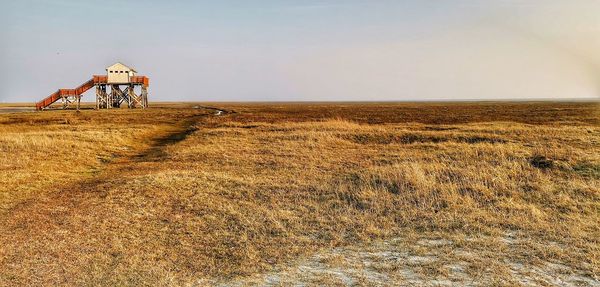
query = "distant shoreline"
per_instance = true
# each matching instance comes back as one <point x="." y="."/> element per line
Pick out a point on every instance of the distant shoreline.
<point x="24" y="105"/>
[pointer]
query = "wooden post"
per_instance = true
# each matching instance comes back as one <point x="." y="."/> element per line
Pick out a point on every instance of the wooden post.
<point x="144" y="96"/>
<point x="132" y="96"/>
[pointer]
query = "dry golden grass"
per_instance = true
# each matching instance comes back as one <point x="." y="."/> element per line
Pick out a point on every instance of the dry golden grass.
<point x="179" y="196"/>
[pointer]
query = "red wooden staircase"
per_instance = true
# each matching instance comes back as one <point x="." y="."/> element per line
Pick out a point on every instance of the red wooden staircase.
<point x="61" y="93"/>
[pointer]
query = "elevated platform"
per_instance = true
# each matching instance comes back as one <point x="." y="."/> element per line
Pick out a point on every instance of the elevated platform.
<point x="114" y="99"/>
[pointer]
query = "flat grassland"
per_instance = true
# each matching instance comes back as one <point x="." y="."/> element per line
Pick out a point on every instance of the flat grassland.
<point x="314" y="193"/>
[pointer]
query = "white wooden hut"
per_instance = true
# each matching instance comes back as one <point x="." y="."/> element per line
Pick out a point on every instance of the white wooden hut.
<point x="119" y="73"/>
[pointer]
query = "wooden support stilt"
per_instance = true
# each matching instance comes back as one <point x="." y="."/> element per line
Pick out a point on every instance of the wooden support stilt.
<point x="118" y="95"/>
<point x="144" y="96"/>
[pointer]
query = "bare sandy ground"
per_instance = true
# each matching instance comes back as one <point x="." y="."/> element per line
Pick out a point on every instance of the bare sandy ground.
<point x="411" y="262"/>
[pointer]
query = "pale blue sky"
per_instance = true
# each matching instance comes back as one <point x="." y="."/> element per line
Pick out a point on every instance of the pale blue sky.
<point x="307" y="50"/>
